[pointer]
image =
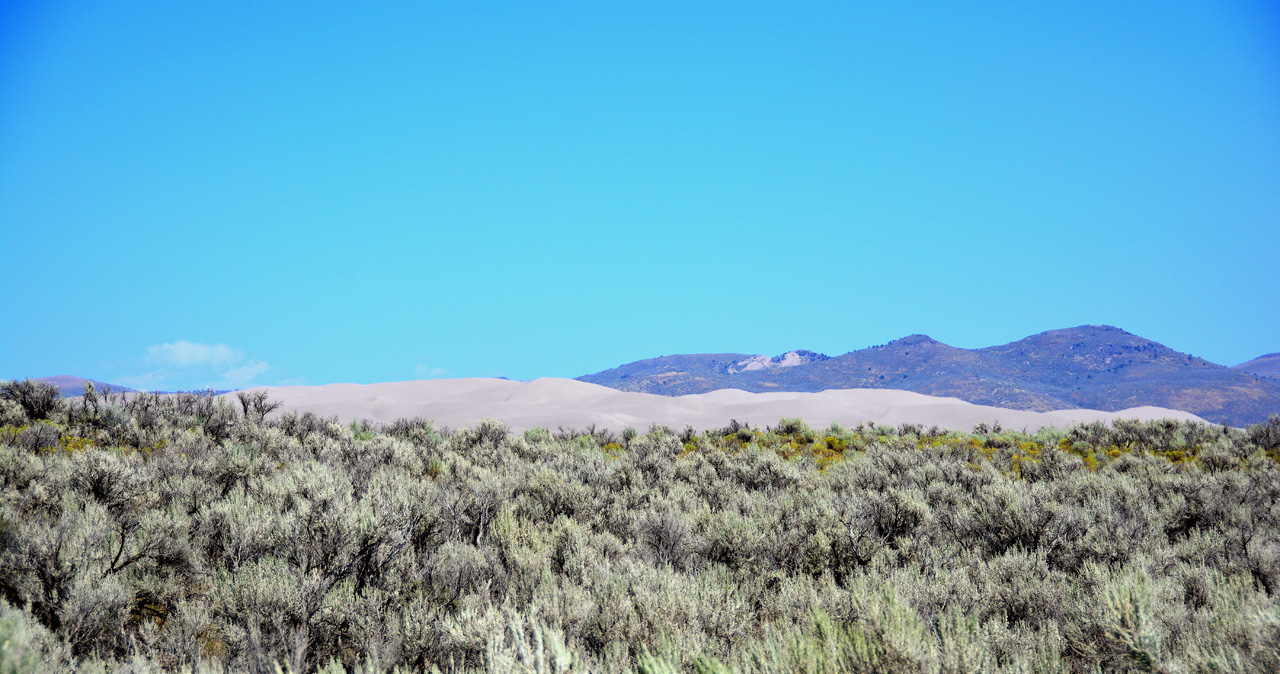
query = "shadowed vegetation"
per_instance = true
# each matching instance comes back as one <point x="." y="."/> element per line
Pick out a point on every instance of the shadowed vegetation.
<point x="191" y="532"/>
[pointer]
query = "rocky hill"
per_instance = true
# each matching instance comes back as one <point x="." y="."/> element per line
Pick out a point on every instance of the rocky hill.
<point x="1097" y="367"/>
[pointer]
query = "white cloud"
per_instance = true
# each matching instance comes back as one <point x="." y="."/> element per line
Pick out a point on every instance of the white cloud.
<point x="241" y="376"/>
<point x="428" y="372"/>
<point x="185" y="365"/>
<point x="148" y="381"/>
<point x="189" y="354"/>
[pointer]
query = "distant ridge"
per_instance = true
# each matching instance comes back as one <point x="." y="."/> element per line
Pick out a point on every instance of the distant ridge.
<point x="1093" y="366"/>
<point x="74" y="386"/>
<point x="1262" y="366"/>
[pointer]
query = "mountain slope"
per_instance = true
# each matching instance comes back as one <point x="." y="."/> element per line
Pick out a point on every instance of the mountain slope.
<point x="1097" y="367"/>
<point x="1262" y="366"/>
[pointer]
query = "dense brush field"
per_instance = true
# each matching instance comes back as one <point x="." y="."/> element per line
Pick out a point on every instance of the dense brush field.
<point x="186" y="532"/>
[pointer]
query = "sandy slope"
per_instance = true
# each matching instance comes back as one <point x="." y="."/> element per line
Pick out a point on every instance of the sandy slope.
<point x="553" y="403"/>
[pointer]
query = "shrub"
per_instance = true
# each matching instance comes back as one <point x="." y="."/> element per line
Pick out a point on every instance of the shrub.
<point x="167" y="532"/>
<point x="255" y="405"/>
<point x="37" y="399"/>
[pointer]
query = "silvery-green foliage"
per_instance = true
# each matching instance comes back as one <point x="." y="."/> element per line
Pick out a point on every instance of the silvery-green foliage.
<point x="156" y="533"/>
<point x="1132" y="621"/>
<point x="528" y="647"/>
<point x="26" y="647"/>
<point x="11" y="413"/>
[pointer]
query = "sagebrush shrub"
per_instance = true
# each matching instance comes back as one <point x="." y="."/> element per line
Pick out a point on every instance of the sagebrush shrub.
<point x="162" y="532"/>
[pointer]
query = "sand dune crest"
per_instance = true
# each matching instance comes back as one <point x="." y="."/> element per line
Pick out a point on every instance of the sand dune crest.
<point x="568" y="403"/>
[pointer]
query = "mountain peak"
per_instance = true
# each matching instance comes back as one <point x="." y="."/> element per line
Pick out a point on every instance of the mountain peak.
<point x="1103" y="328"/>
<point x="914" y="340"/>
<point x="1090" y="348"/>
<point x="1088" y="331"/>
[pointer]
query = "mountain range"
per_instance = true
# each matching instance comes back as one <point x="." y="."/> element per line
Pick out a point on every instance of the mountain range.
<point x="1094" y="366"/>
<point x="71" y="386"/>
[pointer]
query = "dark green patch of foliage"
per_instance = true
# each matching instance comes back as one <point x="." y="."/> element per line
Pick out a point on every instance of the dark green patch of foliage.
<point x="162" y="533"/>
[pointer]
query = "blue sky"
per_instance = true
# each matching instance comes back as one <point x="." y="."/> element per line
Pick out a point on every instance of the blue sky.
<point x="226" y="194"/>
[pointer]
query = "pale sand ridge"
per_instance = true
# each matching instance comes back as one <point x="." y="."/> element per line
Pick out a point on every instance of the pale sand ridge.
<point x="553" y="403"/>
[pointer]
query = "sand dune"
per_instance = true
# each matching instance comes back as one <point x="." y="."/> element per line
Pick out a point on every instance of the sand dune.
<point x="568" y="403"/>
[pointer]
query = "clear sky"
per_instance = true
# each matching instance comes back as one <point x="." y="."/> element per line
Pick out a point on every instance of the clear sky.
<point x="224" y="194"/>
